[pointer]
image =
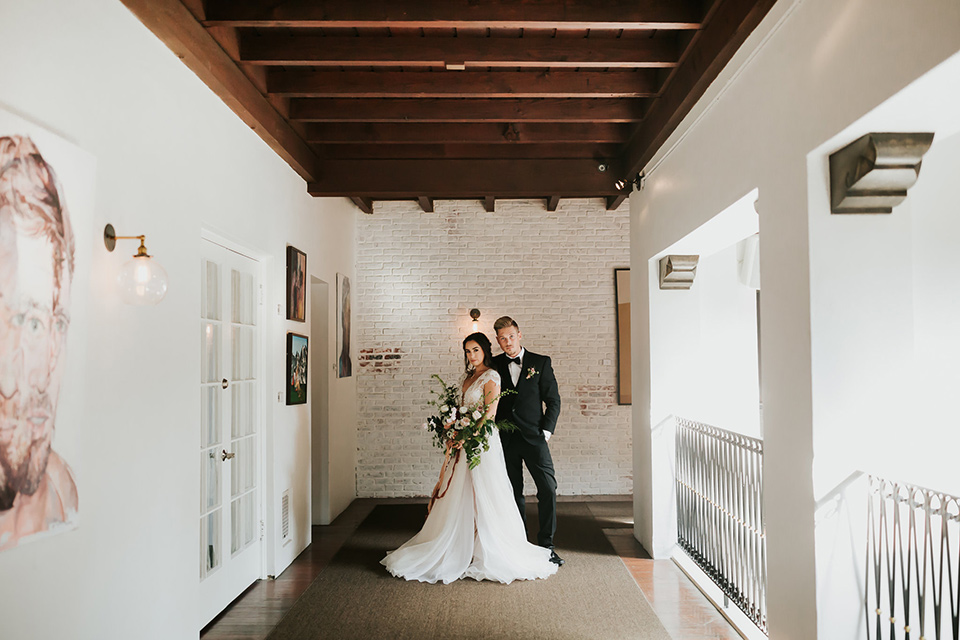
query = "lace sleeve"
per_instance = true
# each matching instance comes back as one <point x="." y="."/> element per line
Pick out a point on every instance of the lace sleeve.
<point x="491" y="374"/>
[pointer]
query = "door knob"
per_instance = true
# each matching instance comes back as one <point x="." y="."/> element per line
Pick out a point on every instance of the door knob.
<point x="224" y="383"/>
<point x="226" y="456"/>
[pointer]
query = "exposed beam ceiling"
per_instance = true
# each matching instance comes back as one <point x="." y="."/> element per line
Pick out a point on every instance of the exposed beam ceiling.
<point x="310" y="50"/>
<point x="408" y="179"/>
<point x="615" y="14"/>
<point x="461" y="84"/>
<point x="483" y="133"/>
<point x="467" y="110"/>
<point x="427" y="99"/>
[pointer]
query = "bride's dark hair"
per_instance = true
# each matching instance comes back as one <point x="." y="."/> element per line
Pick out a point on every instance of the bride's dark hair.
<point x="484" y="342"/>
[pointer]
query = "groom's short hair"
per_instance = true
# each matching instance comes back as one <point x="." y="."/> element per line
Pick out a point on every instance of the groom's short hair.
<point x="504" y="322"/>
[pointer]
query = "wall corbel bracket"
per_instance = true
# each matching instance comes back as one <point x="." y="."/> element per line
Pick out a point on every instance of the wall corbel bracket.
<point x="872" y="174"/>
<point x="678" y="272"/>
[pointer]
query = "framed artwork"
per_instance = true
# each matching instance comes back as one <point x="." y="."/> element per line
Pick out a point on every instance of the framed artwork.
<point x="46" y="237"/>
<point x="296" y="284"/>
<point x="344" y="360"/>
<point x="621" y="284"/>
<point x="296" y="368"/>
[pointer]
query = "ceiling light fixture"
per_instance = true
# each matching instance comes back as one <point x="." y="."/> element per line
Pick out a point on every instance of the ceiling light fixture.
<point x="637" y="181"/>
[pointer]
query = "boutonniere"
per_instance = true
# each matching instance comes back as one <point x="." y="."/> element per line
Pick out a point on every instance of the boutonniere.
<point x="531" y="372"/>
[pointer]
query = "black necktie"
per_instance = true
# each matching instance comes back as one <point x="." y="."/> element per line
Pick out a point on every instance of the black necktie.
<point x="516" y="360"/>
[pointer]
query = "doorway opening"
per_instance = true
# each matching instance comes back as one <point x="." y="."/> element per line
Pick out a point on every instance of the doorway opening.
<point x="320" y="401"/>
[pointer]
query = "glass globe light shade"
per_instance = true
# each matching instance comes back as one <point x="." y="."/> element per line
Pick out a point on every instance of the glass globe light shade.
<point x="142" y="281"/>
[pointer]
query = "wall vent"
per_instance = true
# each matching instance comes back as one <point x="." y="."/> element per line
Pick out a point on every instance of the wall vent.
<point x="285" y="515"/>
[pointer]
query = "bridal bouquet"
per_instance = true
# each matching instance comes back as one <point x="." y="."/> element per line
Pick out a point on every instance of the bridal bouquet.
<point x="456" y="427"/>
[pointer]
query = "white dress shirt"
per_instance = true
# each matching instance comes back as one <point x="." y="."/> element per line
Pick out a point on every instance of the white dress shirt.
<point x="515" y="368"/>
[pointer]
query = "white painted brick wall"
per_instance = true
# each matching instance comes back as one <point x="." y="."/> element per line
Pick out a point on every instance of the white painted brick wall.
<point x="418" y="275"/>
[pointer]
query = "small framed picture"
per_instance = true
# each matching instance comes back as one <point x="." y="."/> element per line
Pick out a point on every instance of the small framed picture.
<point x="296" y="284"/>
<point x="344" y="359"/>
<point x="622" y="300"/>
<point x="296" y="368"/>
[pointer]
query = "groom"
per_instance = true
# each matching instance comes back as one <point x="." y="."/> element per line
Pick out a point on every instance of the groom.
<point x="531" y="376"/>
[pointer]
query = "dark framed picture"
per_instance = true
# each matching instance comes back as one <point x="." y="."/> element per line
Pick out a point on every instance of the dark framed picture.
<point x="296" y="284"/>
<point x="621" y="284"/>
<point x="296" y="368"/>
<point x="344" y="360"/>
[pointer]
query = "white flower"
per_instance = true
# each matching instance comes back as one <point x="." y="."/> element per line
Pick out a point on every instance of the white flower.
<point x="444" y="409"/>
<point x="476" y="415"/>
<point x="425" y="426"/>
<point x="465" y="421"/>
<point x="463" y="410"/>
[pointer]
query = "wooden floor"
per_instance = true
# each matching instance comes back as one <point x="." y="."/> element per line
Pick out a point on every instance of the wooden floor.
<point x="684" y="611"/>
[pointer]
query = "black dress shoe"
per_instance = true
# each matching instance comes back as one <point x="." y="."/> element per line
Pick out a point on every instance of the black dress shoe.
<point x="555" y="559"/>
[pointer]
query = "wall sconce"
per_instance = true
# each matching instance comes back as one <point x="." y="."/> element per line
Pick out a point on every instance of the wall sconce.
<point x="475" y="316"/>
<point x="141" y="280"/>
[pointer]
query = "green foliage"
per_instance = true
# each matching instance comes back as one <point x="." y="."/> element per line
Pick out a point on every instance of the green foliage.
<point x="462" y="427"/>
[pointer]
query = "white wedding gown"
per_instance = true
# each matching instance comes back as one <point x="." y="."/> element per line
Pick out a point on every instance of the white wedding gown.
<point x="474" y="530"/>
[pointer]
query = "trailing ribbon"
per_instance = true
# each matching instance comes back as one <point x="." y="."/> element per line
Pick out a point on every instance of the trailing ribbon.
<point x="437" y="494"/>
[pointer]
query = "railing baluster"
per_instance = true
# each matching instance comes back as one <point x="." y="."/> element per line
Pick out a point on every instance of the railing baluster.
<point x="720" y="512"/>
<point x="931" y="517"/>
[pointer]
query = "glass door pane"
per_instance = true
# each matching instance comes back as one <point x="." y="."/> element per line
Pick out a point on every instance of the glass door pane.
<point x="209" y="543"/>
<point x="211" y="420"/>
<point x="243" y="513"/>
<point x="243" y="467"/>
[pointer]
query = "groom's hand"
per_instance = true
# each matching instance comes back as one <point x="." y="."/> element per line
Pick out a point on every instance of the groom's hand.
<point x="546" y="435"/>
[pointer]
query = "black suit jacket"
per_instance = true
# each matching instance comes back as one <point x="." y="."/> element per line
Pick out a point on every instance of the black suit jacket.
<point x="536" y="405"/>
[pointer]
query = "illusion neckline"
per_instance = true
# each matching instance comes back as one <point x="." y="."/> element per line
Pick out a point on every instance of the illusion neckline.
<point x="463" y="391"/>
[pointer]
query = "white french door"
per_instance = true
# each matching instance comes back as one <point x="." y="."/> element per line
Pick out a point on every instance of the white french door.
<point x="230" y="417"/>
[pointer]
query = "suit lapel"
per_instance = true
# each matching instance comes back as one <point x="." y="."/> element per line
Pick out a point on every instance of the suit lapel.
<point x="504" y="369"/>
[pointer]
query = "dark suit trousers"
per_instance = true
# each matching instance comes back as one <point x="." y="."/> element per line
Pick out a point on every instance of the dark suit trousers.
<point x="517" y="451"/>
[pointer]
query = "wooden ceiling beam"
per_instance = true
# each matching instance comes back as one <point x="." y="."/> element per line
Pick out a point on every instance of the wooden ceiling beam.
<point x="364" y="204"/>
<point x="313" y="50"/>
<point x="454" y="133"/>
<point x="462" y="84"/>
<point x="596" y="152"/>
<point x="410" y="179"/>
<point x="489" y="204"/>
<point x="426" y="204"/>
<point x="552" y="203"/>
<point x="727" y="26"/>
<point x="467" y="110"/>
<point x="177" y="27"/>
<point x="543" y="14"/>
<point x="614" y="202"/>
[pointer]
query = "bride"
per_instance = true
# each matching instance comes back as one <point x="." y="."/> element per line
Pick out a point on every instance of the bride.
<point x="474" y="529"/>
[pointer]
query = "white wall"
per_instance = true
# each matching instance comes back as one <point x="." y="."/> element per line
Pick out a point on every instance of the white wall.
<point x="171" y="160"/>
<point x="418" y="276"/>
<point x="703" y="340"/>
<point x="936" y="308"/>
<point x="821" y="66"/>
<point x="884" y="312"/>
<point x="730" y="397"/>
<point x="885" y="345"/>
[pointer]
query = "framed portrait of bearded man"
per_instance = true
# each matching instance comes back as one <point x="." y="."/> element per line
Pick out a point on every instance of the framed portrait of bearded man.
<point x="46" y="218"/>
